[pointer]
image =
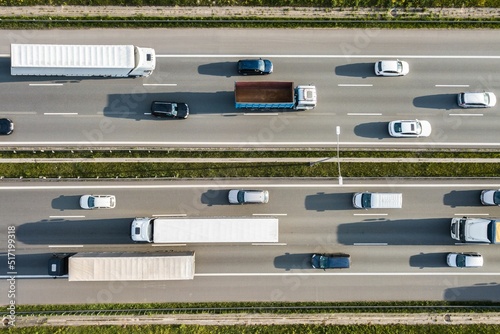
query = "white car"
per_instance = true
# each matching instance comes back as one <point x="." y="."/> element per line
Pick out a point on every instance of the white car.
<point x="391" y="68"/>
<point x="410" y="128"/>
<point x="476" y="100"/>
<point x="90" y="202"/>
<point x="248" y="196"/>
<point x="490" y="197"/>
<point x="464" y="260"/>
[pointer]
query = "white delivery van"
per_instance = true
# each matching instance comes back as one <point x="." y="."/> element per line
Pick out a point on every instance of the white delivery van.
<point x="369" y="200"/>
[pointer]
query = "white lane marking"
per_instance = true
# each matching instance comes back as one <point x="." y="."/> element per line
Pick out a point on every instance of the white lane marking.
<point x="168" y="245"/>
<point x="465" y="114"/>
<point x="17" y="113"/>
<point x="472" y="244"/>
<point x="170" y="85"/>
<point x="230" y="114"/>
<point x="261" y="114"/>
<point x="355" y="85"/>
<point x="452" y="85"/>
<point x="31" y="276"/>
<point x="66" y="217"/>
<point x="370" y="214"/>
<point x="51" y="84"/>
<point x="396" y="143"/>
<point x="170" y="215"/>
<point x="270" y="214"/>
<point x="268" y="244"/>
<point x="348" y="56"/>
<point x="60" y="113"/>
<point x="364" y="114"/>
<point x="370" y="244"/>
<point x="65" y="246"/>
<point x="472" y="214"/>
<point x="230" y="185"/>
<point x="323" y="273"/>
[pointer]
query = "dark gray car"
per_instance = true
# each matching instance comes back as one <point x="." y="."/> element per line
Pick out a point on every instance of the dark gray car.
<point x="169" y="109"/>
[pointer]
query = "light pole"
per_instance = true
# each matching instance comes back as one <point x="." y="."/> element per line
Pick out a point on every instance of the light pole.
<point x="337" y="130"/>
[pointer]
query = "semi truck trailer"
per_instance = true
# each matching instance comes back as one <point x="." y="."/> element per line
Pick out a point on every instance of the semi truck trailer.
<point x="204" y="230"/>
<point x="81" y="60"/>
<point x="475" y="230"/>
<point x="123" y="266"/>
<point x="274" y="95"/>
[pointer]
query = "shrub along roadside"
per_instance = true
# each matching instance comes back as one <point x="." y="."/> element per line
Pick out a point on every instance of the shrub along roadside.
<point x="375" y="21"/>
<point x="220" y="170"/>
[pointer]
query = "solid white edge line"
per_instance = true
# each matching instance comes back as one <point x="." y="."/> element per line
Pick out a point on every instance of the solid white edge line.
<point x="260" y="114"/>
<point x="54" y="84"/>
<point x="456" y="273"/>
<point x="370" y="214"/>
<point x="66" y="217"/>
<point x="268" y="244"/>
<point x="355" y="85"/>
<point x="159" y="84"/>
<point x="65" y="246"/>
<point x="371" y="244"/>
<point x="59" y="113"/>
<point x="230" y="185"/>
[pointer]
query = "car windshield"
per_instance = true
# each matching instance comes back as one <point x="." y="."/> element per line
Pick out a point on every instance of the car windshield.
<point x="400" y="67"/>
<point x="241" y="197"/>
<point x="461" y="260"/>
<point x="496" y="197"/>
<point x="91" y="202"/>
<point x="323" y="262"/>
<point x="366" y="199"/>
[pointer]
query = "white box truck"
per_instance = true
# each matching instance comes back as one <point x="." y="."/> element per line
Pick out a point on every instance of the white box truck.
<point x="124" y="266"/>
<point x="204" y="230"/>
<point x="81" y="60"/>
<point x="368" y="200"/>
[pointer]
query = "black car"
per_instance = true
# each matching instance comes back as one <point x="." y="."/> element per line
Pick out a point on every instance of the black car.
<point x="169" y="109"/>
<point x="6" y="126"/>
<point x="331" y="261"/>
<point x="255" y="66"/>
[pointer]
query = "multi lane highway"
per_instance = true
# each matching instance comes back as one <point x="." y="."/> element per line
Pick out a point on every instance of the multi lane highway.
<point x="397" y="254"/>
<point x="200" y="69"/>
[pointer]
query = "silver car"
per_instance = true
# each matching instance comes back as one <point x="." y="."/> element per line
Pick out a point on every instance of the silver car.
<point x="391" y="68"/>
<point x="248" y="196"/>
<point x="476" y="100"/>
<point x="464" y="260"/>
<point x="490" y="197"/>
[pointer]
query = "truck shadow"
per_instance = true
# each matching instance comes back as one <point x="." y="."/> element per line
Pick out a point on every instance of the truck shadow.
<point x="431" y="231"/>
<point x="462" y="198"/>
<point x="324" y="202"/>
<point x="71" y="232"/>
<point x="27" y="264"/>
<point x="489" y="291"/>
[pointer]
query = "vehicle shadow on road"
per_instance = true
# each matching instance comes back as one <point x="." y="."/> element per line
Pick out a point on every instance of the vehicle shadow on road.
<point x="462" y="198"/>
<point x="293" y="261"/>
<point x="372" y="130"/>
<point x="324" y="202"/>
<point x="358" y="70"/>
<point x="437" y="101"/>
<point x="429" y="260"/>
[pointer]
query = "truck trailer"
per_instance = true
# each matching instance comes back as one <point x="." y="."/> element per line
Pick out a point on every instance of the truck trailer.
<point x="81" y="60"/>
<point x="476" y="230"/>
<point x="274" y="95"/>
<point x="124" y="266"/>
<point x="204" y="230"/>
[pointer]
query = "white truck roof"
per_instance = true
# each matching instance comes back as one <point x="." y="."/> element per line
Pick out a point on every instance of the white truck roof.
<point x="131" y="266"/>
<point x="214" y="230"/>
<point x="72" y="56"/>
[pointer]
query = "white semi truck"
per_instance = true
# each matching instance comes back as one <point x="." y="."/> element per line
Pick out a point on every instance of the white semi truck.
<point x="205" y="230"/>
<point x="81" y="60"/>
<point x="475" y="230"/>
<point x="123" y="266"/>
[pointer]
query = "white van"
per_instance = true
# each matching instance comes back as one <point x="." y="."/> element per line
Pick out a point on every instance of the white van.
<point x="369" y="200"/>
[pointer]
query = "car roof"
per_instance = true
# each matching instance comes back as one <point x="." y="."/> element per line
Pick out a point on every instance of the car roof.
<point x="390" y="65"/>
<point x="475" y="98"/>
<point x="254" y="195"/>
<point x="409" y="126"/>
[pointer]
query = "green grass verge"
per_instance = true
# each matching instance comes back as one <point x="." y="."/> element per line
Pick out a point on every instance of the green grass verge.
<point x="375" y="21"/>
<point x="234" y="170"/>
<point x="264" y="329"/>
